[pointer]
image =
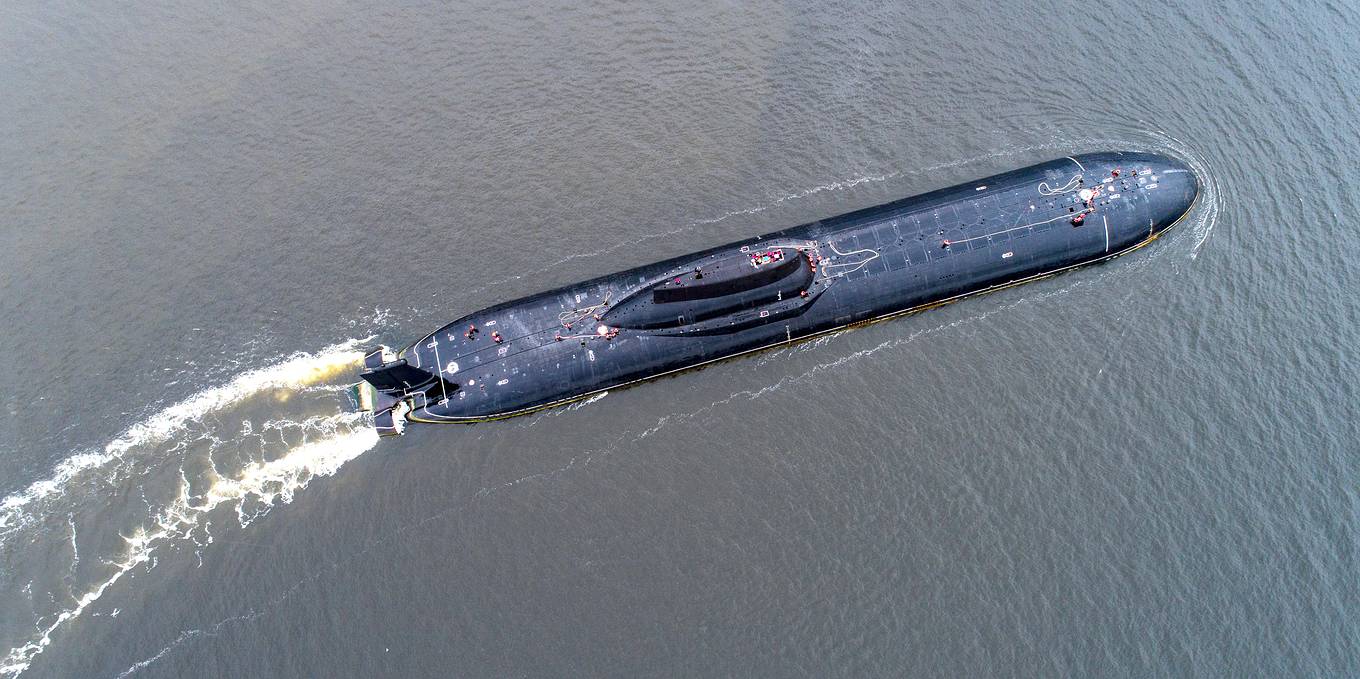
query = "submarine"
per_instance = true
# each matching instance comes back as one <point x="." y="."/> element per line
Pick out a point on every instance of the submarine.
<point x="776" y="289"/>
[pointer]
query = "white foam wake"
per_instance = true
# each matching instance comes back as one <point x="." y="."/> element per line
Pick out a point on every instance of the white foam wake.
<point x="188" y="462"/>
<point x="1211" y="194"/>
<point x="270" y="482"/>
<point x="296" y="371"/>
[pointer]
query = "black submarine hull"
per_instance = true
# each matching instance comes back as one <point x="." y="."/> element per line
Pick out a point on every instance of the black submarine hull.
<point x="893" y="259"/>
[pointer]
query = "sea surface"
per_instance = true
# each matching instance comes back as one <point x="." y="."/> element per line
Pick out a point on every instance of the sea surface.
<point x="207" y="210"/>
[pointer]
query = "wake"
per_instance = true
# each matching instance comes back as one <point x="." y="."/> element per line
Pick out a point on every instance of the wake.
<point x="242" y="447"/>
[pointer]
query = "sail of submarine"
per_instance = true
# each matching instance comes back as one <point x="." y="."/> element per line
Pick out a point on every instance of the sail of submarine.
<point x="905" y="256"/>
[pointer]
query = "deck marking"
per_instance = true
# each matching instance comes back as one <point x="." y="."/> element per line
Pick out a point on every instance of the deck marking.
<point x="1071" y="185"/>
<point x="1017" y="228"/>
<point x="442" y="381"/>
<point x="858" y="265"/>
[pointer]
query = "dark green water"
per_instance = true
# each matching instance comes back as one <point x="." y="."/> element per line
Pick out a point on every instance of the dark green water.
<point x="1145" y="468"/>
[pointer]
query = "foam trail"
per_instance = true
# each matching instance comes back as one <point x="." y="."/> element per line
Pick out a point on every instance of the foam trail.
<point x="299" y="370"/>
<point x="273" y="481"/>
<point x="830" y="186"/>
<point x="187" y="461"/>
<point x="1211" y="193"/>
